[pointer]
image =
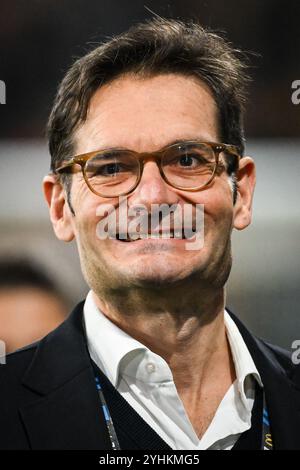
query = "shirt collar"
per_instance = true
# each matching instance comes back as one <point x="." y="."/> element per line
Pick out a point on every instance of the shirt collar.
<point x="243" y="362"/>
<point x="107" y="343"/>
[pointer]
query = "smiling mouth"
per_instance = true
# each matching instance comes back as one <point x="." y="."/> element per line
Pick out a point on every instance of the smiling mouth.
<point x="177" y="235"/>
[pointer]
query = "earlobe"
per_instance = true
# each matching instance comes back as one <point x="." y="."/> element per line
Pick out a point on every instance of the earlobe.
<point x="245" y="190"/>
<point x="59" y="210"/>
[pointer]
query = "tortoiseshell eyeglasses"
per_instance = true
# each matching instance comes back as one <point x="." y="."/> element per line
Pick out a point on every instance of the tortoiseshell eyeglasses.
<point x="186" y="165"/>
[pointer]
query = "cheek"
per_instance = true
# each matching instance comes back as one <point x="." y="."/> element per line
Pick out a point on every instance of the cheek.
<point x="218" y="210"/>
<point x="217" y="200"/>
<point x="90" y="209"/>
<point x="85" y="205"/>
<point x="80" y="193"/>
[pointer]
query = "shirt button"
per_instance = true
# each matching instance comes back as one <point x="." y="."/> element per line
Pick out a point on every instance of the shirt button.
<point x="150" y="367"/>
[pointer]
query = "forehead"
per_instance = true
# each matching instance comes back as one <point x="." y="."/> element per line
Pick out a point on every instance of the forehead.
<point x="145" y="114"/>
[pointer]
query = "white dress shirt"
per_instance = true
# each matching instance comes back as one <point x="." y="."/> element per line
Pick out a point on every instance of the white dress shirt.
<point x="145" y="380"/>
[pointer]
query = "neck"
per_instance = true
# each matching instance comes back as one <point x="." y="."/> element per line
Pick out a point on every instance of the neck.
<point x="187" y="331"/>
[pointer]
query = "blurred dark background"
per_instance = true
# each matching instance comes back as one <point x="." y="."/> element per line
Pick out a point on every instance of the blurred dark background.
<point x="39" y="39"/>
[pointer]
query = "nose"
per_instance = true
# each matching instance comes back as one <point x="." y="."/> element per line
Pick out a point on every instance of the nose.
<point x="152" y="189"/>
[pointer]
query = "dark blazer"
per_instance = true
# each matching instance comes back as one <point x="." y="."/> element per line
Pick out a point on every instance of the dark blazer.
<point x="48" y="398"/>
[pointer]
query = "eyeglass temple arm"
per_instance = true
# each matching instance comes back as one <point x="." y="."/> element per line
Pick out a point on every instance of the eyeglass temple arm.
<point x="67" y="166"/>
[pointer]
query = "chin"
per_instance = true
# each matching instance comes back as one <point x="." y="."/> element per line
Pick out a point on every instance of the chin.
<point x="156" y="275"/>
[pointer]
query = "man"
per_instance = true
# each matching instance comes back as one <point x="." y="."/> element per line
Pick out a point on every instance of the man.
<point x="24" y="287"/>
<point x="151" y="359"/>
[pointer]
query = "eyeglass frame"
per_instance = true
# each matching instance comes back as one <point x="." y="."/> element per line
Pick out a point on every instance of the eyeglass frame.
<point x="217" y="148"/>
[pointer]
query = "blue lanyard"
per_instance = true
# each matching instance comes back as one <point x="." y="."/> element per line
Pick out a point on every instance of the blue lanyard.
<point x="267" y="442"/>
<point x="108" y="419"/>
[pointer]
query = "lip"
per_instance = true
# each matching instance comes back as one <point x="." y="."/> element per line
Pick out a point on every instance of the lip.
<point x="154" y="247"/>
<point x="155" y="240"/>
<point x="160" y="244"/>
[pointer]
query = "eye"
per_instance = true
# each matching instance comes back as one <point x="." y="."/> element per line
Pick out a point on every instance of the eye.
<point x="109" y="169"/>
<point x="112" y="164"/>
<point x="191" y="160"/>
<point x="188" y="160"/>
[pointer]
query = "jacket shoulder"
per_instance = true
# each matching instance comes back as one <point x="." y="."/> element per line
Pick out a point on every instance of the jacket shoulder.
<point x="12" y="396"/>
<point x="283" y="356"/>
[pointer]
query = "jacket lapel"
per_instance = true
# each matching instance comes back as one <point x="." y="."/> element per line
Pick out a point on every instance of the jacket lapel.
<point x="65" y="410"/>
<point x="282" y="396"/>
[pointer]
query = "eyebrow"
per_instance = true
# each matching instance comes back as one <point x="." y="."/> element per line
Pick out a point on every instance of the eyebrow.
<point x="172" y="142"/>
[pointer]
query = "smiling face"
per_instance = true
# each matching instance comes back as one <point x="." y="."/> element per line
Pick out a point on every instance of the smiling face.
<point x="145" y="115"/>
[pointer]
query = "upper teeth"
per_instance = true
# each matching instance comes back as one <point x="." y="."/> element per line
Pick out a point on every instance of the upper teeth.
<point x="132" y="237"/>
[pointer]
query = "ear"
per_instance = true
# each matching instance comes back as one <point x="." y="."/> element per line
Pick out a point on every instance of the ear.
<point x="60" y="214"/>
<point x="246" y="178"/>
